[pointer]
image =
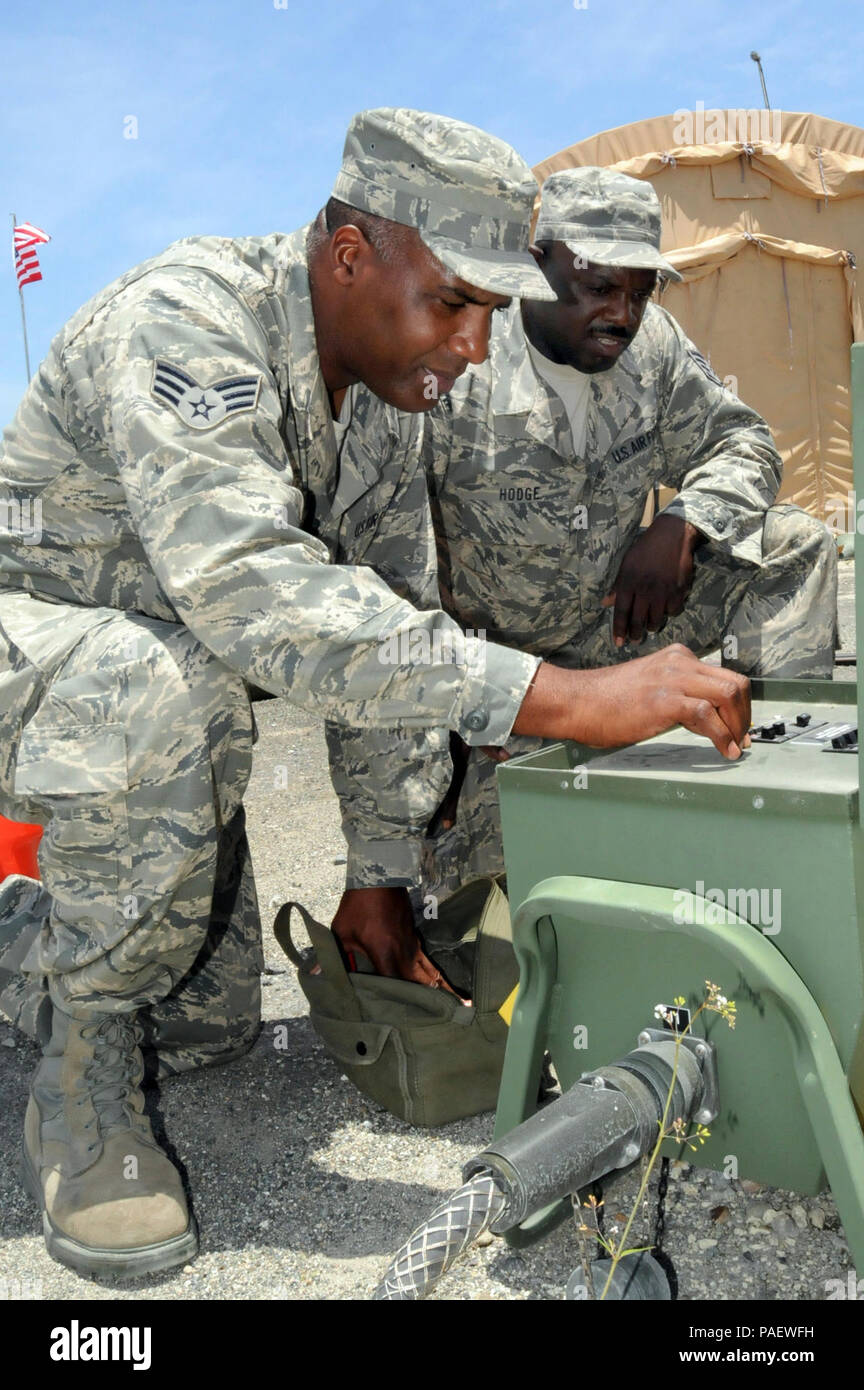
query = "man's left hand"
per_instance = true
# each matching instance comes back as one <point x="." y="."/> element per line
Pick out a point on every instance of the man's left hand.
<point x="654" y="578"/>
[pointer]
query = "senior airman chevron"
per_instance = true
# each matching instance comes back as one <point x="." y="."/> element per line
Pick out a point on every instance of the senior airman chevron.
<point x="214" y="403"/>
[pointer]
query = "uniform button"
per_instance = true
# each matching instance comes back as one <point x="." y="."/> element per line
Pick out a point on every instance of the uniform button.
<point x="476" y="719"/>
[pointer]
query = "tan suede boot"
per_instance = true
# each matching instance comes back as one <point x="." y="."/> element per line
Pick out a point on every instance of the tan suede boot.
<point x="112" y="1200"/>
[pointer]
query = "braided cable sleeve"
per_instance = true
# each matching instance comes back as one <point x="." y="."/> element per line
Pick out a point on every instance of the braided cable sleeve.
<point x="437" y="1244"/>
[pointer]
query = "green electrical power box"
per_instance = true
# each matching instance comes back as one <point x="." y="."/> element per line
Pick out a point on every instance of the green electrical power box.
<point x="636" y="875"/>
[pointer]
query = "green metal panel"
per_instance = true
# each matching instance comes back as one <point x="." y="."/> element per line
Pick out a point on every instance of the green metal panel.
<point x="613" y="861"/>
<point x="782" y="826"/>
<point x="772" y="986"/>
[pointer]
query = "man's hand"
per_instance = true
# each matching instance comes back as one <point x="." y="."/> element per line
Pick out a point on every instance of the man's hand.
<point x="654" y="578"/>
<point x="638" y="699"/>
<point x="379" y="923"/>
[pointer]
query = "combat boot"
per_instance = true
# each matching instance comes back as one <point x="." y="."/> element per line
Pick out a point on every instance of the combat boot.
<point x="112" y="1200"/>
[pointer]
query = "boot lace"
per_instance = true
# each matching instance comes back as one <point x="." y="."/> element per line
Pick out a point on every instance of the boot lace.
<point x="115" y="1070"/>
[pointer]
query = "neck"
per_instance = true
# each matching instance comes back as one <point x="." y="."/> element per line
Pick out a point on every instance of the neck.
<point x="534" y="331"/>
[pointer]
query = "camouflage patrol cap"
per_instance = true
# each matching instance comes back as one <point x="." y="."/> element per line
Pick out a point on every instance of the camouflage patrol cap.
<point x="468" y="194"/>
<point x="605" y="217"/>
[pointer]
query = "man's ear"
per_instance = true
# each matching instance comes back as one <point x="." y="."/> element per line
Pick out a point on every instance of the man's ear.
<point x="348" y="251"/>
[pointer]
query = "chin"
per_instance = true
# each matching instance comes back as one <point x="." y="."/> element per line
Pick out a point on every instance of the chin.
<point x="412" y="401"/>
<point x="591" y="363"/>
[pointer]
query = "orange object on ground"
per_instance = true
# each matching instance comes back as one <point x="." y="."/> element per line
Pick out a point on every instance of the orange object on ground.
<point x="18" y="845"/>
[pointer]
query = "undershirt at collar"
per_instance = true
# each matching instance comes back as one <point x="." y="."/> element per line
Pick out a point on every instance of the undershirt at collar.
<point x="573" y="389"/>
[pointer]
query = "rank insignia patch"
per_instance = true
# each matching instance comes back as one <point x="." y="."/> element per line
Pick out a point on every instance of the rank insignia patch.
<point x="202" y="407"/>
<point x="705" y="366"/>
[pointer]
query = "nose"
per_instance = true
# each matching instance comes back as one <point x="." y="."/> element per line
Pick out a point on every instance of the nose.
<point x="621" y="310"/>
<point x="471" y="338"/>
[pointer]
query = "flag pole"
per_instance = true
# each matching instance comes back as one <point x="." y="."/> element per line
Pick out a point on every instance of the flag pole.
<point x="23" y="315"/>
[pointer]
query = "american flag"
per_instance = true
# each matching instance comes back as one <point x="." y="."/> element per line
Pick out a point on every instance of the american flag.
<point x="26" y="239"/>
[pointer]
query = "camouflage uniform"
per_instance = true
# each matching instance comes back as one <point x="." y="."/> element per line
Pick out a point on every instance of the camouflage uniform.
<point x="178" y="447"/>
<point x="531" y="538"/>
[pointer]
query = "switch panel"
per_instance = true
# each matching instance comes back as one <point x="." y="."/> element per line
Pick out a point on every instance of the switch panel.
<point x="780" y="728"/>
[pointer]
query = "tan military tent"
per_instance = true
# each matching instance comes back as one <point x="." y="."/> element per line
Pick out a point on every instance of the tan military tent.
<point x="763" y="214"/>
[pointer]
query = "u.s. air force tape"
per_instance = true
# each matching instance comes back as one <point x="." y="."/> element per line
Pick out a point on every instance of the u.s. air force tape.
<point x="203" y="407"/>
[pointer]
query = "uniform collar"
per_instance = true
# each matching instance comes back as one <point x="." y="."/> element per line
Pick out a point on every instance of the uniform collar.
<point x="307" y="384"/>
<point x="518" y="390"/>
<point x="337" y="477"/>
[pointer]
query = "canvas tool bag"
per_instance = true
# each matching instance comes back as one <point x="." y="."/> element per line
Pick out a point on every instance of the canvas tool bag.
<point x="421" y="1053"/>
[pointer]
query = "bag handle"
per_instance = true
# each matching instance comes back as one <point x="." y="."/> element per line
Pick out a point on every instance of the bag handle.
<point x="326" y="952"/>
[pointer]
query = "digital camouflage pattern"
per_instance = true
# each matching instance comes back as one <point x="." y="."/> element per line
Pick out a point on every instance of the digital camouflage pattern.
<point x="180" y="558"/>
<point x="143" y="512"/>
<point x="135" y="761"/>
<point x="531" y="539"/>
<point x="604" y="217"/>
<point x="469" y="195"/>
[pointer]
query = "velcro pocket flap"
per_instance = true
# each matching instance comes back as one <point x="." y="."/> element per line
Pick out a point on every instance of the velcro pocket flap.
<point x="409" y="1005"/>
<point x="352" y="1042"/>
<point x="59" y="760"/>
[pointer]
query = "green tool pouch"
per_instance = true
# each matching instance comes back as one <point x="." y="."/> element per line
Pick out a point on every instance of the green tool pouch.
<point x="421" y="1053"/>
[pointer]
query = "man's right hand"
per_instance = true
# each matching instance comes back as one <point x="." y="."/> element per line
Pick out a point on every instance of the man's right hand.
<point x="380" y="923"/>
<point x="638" y="699"/>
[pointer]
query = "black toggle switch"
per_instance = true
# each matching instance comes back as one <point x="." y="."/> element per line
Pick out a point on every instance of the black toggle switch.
<point x="802" y="720"/>
<point x="767" y="731"/>
<point x="844" y="740"/>
<point x="779" y="727"/>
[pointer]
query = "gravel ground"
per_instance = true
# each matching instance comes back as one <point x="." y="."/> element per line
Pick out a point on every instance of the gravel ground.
<point x="303" y="1190"/>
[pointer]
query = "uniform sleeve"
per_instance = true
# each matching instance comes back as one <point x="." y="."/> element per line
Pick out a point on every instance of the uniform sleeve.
<point x="389" y="784"/>
<point x="219" y="518"/>
<point x="717" y="452"/>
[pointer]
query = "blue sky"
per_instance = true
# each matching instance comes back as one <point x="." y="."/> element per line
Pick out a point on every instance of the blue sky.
<point x="241" y="106"/>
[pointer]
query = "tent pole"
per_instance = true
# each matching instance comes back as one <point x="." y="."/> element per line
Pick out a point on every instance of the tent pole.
<point x="758" y="61"/>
